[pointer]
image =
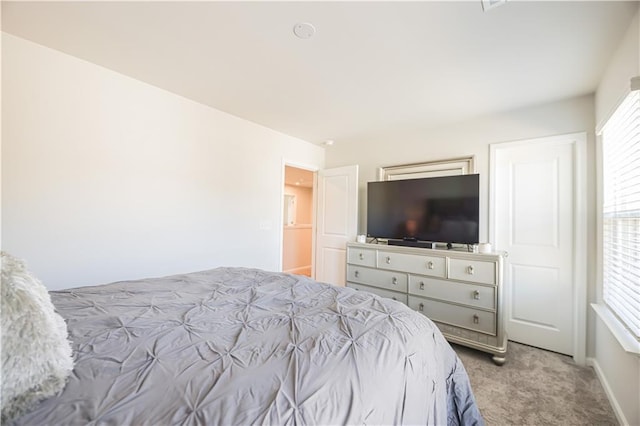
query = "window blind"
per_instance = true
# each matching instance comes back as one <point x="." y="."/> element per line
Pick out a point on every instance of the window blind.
<point x="621" y="212"/>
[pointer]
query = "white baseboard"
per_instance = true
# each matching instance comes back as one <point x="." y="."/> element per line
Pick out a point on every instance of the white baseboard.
<point x="592" y="362"/>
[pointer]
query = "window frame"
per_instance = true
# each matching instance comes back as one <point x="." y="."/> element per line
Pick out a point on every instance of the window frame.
<point x="627" y="338"/>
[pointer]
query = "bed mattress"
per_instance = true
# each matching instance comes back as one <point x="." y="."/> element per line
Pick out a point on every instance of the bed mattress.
<point x="237" y="346"/>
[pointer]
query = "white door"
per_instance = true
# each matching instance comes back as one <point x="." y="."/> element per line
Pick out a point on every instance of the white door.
<point x="336" y="221"/>
<point x="536" y="210"/>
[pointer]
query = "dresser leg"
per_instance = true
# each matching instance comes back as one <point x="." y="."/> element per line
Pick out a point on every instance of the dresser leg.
<point x="499" y="359"/>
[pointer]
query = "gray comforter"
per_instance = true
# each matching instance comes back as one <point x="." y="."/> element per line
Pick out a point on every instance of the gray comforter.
<point x="234" y="346"/>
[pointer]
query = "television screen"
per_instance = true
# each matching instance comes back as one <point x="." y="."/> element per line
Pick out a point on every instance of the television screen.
<point x="439" y="209"/>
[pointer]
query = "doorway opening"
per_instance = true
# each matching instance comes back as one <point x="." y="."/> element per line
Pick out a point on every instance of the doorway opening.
<point x="297" y="231"/>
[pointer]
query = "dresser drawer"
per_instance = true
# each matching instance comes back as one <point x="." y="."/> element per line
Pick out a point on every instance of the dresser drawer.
<point x="400" y="297"/>
<point x="396" y="281"/>
<point x="361" y="256"/>
<point x="433" y="266"/>
<point x="451" y="291"/>
<point x="469" y="318"/>
<point x="476" y="271"/>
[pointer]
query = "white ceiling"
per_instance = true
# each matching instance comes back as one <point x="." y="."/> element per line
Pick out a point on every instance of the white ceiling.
<point x="372" y="68"/>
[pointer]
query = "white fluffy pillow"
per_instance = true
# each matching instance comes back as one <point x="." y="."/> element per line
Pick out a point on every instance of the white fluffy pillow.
<point x="36" y="355"/>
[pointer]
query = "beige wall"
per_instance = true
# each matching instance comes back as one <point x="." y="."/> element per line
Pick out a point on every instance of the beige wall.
<point x="618" y="370"/>
<point x="296" y="256"/>
<point x="297" y="239"/>
<point x="107" y="178"/>
<point x="1" y="66"/>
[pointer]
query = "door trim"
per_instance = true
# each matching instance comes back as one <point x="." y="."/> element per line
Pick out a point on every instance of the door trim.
<point x="314" y="189"/>
<point x="580" y="227"/>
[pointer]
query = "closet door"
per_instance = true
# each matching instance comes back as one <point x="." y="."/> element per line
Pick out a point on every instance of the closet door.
<point x="537" y="216"/>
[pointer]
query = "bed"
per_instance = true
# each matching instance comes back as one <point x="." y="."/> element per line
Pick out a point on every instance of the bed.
<point x="237" y="346"/>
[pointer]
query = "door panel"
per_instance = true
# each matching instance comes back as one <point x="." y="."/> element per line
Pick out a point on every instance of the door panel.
<point x="337" y="221"/>
<point x="537" y="287"/>
<point x="535" y="189"/>
<point x="533" y="201"/>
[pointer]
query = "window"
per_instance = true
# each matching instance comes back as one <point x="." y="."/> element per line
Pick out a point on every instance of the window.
<point x="621" y="212"/>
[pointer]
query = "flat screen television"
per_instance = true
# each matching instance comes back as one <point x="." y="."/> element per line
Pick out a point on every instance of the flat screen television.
<point x="438" y="209"/>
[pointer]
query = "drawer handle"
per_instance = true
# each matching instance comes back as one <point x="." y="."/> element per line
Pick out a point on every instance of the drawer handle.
<point x="470" y="270"/>
<point x="394" y="281"/>
<point x="361" y="256"/>
<point x="430" y="265"/>
<point x="476" y="295"/>
<point x="356" y="273"/>
<point x="421" y="285"/>
<point x="421" y="307"/>
<point x="476" y="319"/>
<point x="388" y="259"/>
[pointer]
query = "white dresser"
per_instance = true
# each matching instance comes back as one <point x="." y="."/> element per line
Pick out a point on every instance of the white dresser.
<point x="460" y="291"/>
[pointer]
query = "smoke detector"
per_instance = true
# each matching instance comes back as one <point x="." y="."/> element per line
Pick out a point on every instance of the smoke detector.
<point x="304" y="30"/>
<point x="490" y="4"/>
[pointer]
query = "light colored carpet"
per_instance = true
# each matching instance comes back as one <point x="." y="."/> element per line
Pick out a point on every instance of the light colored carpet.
<point x="536" y="387"/>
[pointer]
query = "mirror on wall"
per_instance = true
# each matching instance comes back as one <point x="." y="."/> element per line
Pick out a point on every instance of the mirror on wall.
<point x="449" y="167"/>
